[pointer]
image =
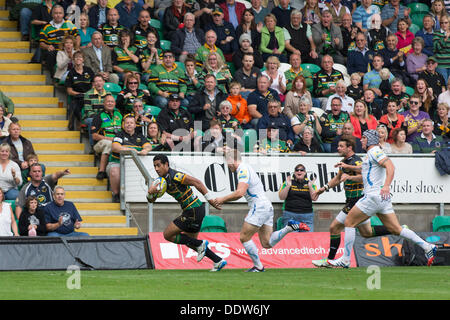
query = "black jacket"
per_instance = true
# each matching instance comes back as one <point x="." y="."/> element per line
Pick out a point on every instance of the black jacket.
<point x="197" y="103"/>
<point x="180" y="35"/>
<point x="93" y="14"/>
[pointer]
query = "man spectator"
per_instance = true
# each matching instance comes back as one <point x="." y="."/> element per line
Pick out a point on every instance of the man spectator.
<point x="283" y="13"/>
<point x="160" y="7"/>
<point x="396" y="94"/>
<point x="414" y="118"/>
<point x="53" y="33"/>
<point x="427" y="141"/>
<point x="426" y="33"/>
<point x="349" y="32"/>
<point x="128" y="13"/>
<point x="127" y="139"/>
<point x="98" y="58"/>
<point x="347" y="131"/>
<point x="38" y="186"/>
<point x="209" y="46"/>
<point x="247" y="47"/>
<point x="373" y="79"/>
<point x="188" y="39"/>
<point x="259" y="11"/>
<point x="324" y="81"/>
<point x="25" y="9"/>
<point x="105" y="125"/>
<point x="328" y="38"/>
<point x="347" y="102"/>
<point x="257" y="100"/>
<point x="332" y="122"/>
<point x="140" y="30"/>
<point x="394" y="59"/>
<point x="392" y="13"/>
<point x="98" y="13"/>
<point x="233" y="11"/>
<point x="337" y="11"/>
<point x="363" y="13"/>
<point x="295" y="71"/>
<point x="62" y="217"/>
<point x="20" y="147"/>
<point x="203" y="12"/>
<point x="226" y="34"/>
<point x="166" y="79"/>
<point x="205" y="104"/>
<point x="434" y="79"/>
<point x="299" y="39"/>
<point x="173" y="18"/>
<point x="360" y="59"/>
<point x="275" y="119"/>
<point x="247" y="75"/>
<point x="111" y="29"/>
<point x="176" y="124"/>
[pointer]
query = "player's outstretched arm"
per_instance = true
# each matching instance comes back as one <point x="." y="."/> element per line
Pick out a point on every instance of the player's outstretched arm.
<point x="343" y="165"/>
<point x="197" y="184"/>
<point x="236" y="195"/>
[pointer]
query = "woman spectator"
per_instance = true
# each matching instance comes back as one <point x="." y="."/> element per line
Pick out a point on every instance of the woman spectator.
<point x="78" y="82"/>
<point x="216" y="66"/>
<point x="416" y="61"/>
<point x="174" y="17"/>
<point x="124" y="57"/>
<point x="294" y="96"/>
<point x="150" y="55"/>
<point x="85" y="31"/>
<point x="392" y="120"/>
<point x="126" y="97"/>
<point x="441" y="123"/>
<point x="10" y="175"/>
<point x="441" y="47"/>
<point x="404" y="36"/>
<point x="306" y="118"/>
<point x="383" y="135"/>
<point x="437" y="12"/>
<point x="311" y="12"/>
<point x="278" y="79"/>
<point x="32" y="219"/>
<point x="399" y="144"/>
<point x="361" y="119"/>
<point x="298" y="193"/>
<point x="427" y="97"/>
<point x="8" y="225"/>
<point x="307" y="143"/>
<point x="64" y="58"/>
<point x="249" y="27"/>
<point x="4" y="122"/>
<point x="155" y="137"/>
<point x="272" y="39"/>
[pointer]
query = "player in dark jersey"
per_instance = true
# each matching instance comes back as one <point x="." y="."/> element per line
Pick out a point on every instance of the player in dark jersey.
<point x="349" y="173"/>
<point x="184" y="229"/>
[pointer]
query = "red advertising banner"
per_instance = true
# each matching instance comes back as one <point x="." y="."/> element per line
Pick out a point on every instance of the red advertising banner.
<point x="296" y="250"/>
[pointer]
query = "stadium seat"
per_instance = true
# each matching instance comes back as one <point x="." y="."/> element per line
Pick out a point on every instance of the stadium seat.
<point x="250" y="137"/>
<point x="181" y="65"/>
<point x="313" y="68"/>
<point x="341" y="68"/>
<point x="284" y="67"/>
<point x="213" y="224"/>
<point x="409" y="90"/>
<point x="155" y="24"/>
<point x="414" y="28"/>
<point x="142" y="86"/>
<point x="199" y="133"/>
<point x="280" y="223"/>
<point x="113" y="88"/>
<point x="231" y="67"/>
<point x="165" y="44"/>
<point x="375" y="221"/>
<point x="417" y="19"/>
<point x="418" y="7"/>
<point x="154" y="110"/>
<point x="441" y="224"/>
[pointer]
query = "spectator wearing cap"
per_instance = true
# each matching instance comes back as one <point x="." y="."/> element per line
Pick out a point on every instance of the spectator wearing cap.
<point x="249" y="27"/>
<point x="188" y="39"/>
<point x="232" y="12"/>
<point x="226" y="34"/>
<point x="434" y="79"/>
<point x="128" y="12"/>
<point x="166" y="79"/>
<point x="246" y="47"/>
<point x="176" y="124"/>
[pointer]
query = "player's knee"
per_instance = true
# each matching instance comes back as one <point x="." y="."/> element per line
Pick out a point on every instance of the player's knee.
<point x="395" y="230"/>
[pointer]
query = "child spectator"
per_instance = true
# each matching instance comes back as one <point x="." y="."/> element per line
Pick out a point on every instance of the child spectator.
<point x="239" y="105"/>
<point x="31" y="159"/>
<point x="355" y="90"/>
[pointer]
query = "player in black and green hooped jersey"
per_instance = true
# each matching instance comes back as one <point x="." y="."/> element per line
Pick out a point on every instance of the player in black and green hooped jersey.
<point x="349" y="173"/>
<point x="184" y="229"/>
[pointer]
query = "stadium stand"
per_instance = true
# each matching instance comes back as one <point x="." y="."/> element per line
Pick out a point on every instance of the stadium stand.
<point x="213" y="223"/>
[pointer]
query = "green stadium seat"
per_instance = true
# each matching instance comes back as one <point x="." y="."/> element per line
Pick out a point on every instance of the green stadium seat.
<point x="181" y="65"/>
<point x="313" y="68"/>
<point x="213" y="224"/>
<point x="142" y="86"/>
<point x="250" y="137"/>
<point x="417" y="19"/>
<point x="418" y="7"/>
<point x="231" y="67"/>
<point x="199" y="133"/>
<point x="113" y="88"/>
<point x="155" y="24"/>
<point x="280" y="223"/>
<point x="154" y="110"/>
<point x="414" y="28"/>
<point x="409" y="90"/>
<point x="441" y="224"/>
<point x="165" y="44"/>
<point x="375" y="221"/>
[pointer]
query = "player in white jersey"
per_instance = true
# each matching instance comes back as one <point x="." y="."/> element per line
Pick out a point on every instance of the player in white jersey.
<point x="260" y="216"/>
<point x="377" y="173"/>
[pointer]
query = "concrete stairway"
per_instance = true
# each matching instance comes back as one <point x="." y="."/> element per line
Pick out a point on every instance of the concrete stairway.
<point x="43" y="121"/>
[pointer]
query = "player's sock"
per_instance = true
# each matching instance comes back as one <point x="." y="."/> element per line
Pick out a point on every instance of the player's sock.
<point x="188" y="241"/>
<point x="252" y="251"/>
<point x="411" y="235"/>
<point x="379" y="231"/>
<point x="211" y="255"/>
<point x="276" y="236"/>
<point x="348" y="242"/>
<point x="335" y="241"/>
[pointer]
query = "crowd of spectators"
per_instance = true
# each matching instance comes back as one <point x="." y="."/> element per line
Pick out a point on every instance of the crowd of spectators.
<point x="198" y="75"/>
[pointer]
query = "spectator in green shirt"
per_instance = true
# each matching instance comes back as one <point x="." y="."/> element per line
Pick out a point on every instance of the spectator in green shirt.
<point x="427" y="142"/>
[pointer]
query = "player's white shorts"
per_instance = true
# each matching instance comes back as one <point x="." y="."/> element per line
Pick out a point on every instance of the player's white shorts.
<point x="342" y="216"/>
<point x="260" y="213"/>
<point x="371" y="204"/>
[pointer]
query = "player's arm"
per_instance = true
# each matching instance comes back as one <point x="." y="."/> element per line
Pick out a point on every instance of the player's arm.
<point x="331" y="184"/>
<point x="236" y="195"/>
<point x="197" y="184"/>
<point x="390" y="171"/>
<point x="354" y="168"/>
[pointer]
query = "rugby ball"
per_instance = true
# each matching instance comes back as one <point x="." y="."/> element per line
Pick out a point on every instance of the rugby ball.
<point x="161" y="184"/>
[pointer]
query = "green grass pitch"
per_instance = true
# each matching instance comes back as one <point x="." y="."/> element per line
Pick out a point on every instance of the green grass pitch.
<point x="396" y="283"/>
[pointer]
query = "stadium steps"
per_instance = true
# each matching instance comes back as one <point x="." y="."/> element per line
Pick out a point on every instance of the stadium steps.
<point x="43" y="120"/>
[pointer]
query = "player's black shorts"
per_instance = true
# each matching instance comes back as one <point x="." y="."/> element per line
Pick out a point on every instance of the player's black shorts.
<point x="191" y="219"/>
<point x="349" y="203"/>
